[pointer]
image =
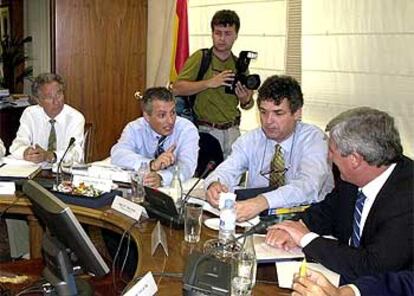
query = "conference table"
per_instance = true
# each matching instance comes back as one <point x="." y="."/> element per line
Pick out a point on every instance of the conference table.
<point x="161" y="265"/>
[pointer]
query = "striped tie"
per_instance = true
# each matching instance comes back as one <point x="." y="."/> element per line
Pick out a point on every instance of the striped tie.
<point x="51" y="145"/>
<point x="356" y="230"/>
<point x="277" y="168"/>
<point x="160" y="150"/>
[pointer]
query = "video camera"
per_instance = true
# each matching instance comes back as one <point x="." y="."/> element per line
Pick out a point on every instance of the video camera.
<point x="250" y="81"/>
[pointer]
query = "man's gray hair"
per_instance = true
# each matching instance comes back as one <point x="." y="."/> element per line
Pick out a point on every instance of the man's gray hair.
<point x="45" y="78"/>
<point x="368" y="132"/>
<point x="155" y="93"/>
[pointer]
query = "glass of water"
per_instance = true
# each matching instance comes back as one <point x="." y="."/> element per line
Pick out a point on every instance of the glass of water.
<point x="192" y="222"/>
<point x="137" y="187"/>
<point x="243" y="269"/>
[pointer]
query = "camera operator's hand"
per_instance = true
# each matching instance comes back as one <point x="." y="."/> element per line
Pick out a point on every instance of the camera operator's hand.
<point x="244" y="94"/>
<point x="224" y="78"/>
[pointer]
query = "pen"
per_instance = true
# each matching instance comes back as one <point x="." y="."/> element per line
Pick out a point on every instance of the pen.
<point x="303" y="267"/>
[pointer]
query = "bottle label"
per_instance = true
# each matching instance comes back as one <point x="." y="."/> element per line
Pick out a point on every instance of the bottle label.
<point x="228" y="220"/>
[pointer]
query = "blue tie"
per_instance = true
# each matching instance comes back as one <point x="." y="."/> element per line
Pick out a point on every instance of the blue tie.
<point x="160" y="149"/>
<point x="356" y="230"/>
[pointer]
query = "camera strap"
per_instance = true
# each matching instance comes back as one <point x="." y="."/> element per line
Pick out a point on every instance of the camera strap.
<point x="205" y="63"/>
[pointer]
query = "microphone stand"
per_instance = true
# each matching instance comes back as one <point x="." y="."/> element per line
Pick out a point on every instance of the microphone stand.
<point x="210" y="166"/>
<point x="71" y="142"/>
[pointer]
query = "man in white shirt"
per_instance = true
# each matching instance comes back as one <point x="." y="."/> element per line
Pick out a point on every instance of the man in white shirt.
<point x="303" y="176"/>
<point x="45" y="129"/>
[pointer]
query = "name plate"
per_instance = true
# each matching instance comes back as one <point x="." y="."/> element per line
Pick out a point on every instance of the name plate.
<point x="128" y="208"/>
<point x="104" y="185"/>
<point x="145" y="287"/>
<point x="158" y="237"/>
<point x="7" y="188"/>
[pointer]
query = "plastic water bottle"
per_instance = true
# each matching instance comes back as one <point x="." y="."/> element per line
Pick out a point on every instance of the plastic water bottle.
<point x="227" y="226"/>
<point x="176" y="187"/>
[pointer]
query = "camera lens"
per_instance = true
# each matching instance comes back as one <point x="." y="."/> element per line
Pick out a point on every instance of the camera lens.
<point x="252" y="81"/>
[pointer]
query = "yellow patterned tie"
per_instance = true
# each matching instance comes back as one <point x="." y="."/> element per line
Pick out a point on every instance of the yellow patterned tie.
<point x="51" y="145"/>
<point x="277" y="168"/>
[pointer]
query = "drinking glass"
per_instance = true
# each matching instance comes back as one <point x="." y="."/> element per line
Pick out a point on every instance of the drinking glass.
<point x="243" y="267"/>
<point x="137" y="187"/>
<point x="192" y="222"/>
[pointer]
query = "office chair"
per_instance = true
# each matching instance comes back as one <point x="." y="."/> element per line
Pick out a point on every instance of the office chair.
<point x="210" y="150"/>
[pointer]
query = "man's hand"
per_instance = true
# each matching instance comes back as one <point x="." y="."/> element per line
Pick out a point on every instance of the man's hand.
<point x="37" y="154"/>
<point x="224" y="78"/>
<point x="243" y="93"/>
<point x="250" y="208"/>
<point x="316" y="284"/>
<point x="163" y="161"/>
<point x="213" y="193"/>
<point x="279" y="239"/>
<point x="152" y="179"/>
<point x="296" y="229"/>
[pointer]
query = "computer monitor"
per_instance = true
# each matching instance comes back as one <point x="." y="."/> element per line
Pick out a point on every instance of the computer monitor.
<point x="65" y="245"/>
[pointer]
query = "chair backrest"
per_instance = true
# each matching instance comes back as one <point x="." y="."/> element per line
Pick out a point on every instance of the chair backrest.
<point x="87" y="144"/>
<point x="210" y="149"/>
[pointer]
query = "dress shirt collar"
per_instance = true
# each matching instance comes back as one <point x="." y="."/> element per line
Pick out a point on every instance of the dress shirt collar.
<point x="57" y="118"/>
<point x="287" y="144"/>
<point x="372" y="188"/>
<point x="154" y="135"/>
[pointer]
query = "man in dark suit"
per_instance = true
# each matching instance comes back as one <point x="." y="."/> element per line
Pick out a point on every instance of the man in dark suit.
<point x="370" y="211"/>
<point x="399" y="283"/>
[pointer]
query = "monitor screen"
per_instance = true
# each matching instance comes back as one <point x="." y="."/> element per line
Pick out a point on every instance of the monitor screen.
<point x="62" y="225"/>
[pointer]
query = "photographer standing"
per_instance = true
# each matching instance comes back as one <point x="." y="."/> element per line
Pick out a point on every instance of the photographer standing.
<point x="216" y="111"/>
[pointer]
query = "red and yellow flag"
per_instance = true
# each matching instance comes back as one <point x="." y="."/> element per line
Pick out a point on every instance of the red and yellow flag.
<point x="180" y="49"/>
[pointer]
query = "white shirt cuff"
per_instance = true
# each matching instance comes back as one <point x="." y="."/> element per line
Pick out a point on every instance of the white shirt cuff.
<point x="307" y="238"/>
<point x="355" y="289"/>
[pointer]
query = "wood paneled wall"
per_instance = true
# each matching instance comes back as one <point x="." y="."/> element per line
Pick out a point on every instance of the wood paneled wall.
<point x="99" y="46"/>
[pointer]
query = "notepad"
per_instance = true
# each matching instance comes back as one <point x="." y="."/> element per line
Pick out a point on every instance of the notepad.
<point x="286" y="270"/>
<point x="27" y="171"/>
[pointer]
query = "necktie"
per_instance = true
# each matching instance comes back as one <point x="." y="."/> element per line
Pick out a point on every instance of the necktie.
<point x="356" y="230"/>
<point x="160" y="148"/>
<point x="277" y="168"/>
<point x="51" y="145"/>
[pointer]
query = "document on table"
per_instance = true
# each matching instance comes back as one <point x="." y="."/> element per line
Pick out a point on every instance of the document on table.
<point x="287" y="269"/>
<point x="266" y="253"/>
<point x="19" y="171"/>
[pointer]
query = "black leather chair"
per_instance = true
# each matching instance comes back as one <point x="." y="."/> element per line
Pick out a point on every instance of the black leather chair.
<point x="210" y="150"/>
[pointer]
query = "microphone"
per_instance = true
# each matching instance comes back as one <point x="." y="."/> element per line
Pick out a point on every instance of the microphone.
<point x="71" y="142"/>
<point x="209" y="167"/>
<point x="260" y="227"/>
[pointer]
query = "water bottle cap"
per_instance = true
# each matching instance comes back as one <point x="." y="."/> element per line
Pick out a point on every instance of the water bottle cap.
<point x="228" y="203"/>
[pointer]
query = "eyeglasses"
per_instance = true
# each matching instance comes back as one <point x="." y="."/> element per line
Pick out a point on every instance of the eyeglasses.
<point x="58" y="95"/>
<point x="266" y="174"/>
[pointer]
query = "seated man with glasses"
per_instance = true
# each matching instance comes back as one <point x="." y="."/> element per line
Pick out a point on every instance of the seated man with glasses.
<point x="45" y="129"/>
<point x="287" y="156"/>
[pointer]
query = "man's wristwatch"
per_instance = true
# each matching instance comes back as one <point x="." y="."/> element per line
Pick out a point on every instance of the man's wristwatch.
<point x="247" y="105"/>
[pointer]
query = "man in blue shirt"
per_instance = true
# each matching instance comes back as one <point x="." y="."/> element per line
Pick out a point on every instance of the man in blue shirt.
<point x="306" y="173"/>
<point x="159" y="138"/>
